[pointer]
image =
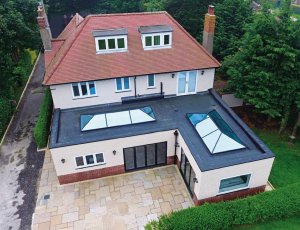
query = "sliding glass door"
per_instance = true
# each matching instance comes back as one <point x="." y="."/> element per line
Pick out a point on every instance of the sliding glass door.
<point x="187" y="172"/>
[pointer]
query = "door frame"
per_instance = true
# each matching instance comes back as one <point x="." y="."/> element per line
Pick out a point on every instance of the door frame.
<point x="183" y="173"/>
<point x="186" y="84"/>
<point x="146" y="166"/>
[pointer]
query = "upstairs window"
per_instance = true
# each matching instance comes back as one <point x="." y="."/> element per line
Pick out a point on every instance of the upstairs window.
<point x="151" y="81"/>
<point x="122" y="84"/>
<point x="114" y="44"/>
<point x="84" y="89"/>
<point x="113" y="40"/>
<point x="156" y="37"/>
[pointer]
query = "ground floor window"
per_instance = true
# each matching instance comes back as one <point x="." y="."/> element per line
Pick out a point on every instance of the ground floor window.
<point x="187" y="172"/>
<point x="234" y="183"/>
<point x="144" y="156"/>
<point x="89" y="160"/>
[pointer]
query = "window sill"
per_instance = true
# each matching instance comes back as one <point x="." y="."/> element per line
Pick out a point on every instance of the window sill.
<point x="89" y="166"/>
<point x="111" y="51"/>
<point x="157" y="47"/>
<point x="75" y="98"/>
<point x="151" y="87"/>
<point x="234" y="190"/>
<point x="122" y="91"/>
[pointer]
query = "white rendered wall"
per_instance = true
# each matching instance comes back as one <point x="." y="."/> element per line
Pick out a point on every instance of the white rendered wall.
<point x="210" y="180"/>
<point x="106" y="89"/>
<point x="106" y="147"/>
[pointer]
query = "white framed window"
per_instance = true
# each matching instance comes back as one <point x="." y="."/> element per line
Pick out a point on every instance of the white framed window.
<point x="234" y="183"/>
<point x="157" y="40"/>
<point x="111" y="44"/>
<point x="89" y="160"/>
<point x="151" y="81"/>
<point x="122" y="84"/>
<point x="84" y="89"/>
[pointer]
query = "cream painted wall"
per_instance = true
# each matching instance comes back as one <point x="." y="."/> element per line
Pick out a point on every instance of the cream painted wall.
<point x="106" y="89"/>
<point x="210" y="180"/>
<point x="106" y="147"/>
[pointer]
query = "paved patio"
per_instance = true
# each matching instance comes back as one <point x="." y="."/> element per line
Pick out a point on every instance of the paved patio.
<point x="127" y="201"/>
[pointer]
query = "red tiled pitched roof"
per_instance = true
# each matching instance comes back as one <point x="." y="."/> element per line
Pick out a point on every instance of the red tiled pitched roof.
<point x="76" y="60"/>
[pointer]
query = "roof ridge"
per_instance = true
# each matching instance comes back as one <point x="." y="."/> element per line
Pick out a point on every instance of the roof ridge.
<point x="126" y="14"/>
<point x="194" y="40"/>
<point x="83" y="23"/>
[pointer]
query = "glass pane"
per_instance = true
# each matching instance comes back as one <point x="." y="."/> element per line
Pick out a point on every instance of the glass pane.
<point x="83" y="88"/>
<point x="118" y="118"/>
<point x="161" y="153"/>
<point x="192" y="81"/>
<point x="121" y="43"/>
<point x="182" y="162"/>
<point x="84" y="120"/>
<point x="79" y="161"/>
<point x="129" y="158"/>
<point x="111" y="43"/>
<point x="181" y="82"/>
<point x="187" y="171"/>
<point x="119" y="83"/>
<point x="126" y="82"/>
<point x="89" y="159"/>
<point x="99" y="158"/>
<point x="151" y="80"/>
<point x="148" y="40"/>
<point x="75" y="90"/>
<point x="140" y="115"/>
<point x="192" y="183"/>
<point x="166" y="39"/>
<point x="157" y="40"/>
<point x="140" y="156"/>
<point x="102" y="45"/>
<point x="92" y="88"/>
<point x="150" y="154"/>
<point x="234" y="183"/>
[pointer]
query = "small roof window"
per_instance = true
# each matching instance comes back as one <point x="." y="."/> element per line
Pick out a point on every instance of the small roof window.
<point x="215" y="132"/>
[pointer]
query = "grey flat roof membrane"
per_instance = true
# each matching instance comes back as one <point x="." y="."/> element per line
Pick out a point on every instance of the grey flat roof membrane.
<point x="155" y="29"/>
<point x="111" y="32"/>
<point x="170" y="114"/>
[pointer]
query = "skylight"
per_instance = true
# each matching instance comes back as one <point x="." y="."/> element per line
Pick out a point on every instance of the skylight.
<point x="215" y="132"/>
<point x="107" y="120"/>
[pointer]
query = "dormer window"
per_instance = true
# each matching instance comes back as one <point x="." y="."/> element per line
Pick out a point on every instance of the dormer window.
<point x="156" y="37"/>
<point x="108" y="41"/>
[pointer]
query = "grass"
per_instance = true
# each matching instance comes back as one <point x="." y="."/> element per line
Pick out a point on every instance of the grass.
<point x="285" y="169"/>
<point x="292" y="223"/>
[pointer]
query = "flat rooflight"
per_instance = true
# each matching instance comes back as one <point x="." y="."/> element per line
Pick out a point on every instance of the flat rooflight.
<point x="107" y="120"/>
<point x="215" y="132"/>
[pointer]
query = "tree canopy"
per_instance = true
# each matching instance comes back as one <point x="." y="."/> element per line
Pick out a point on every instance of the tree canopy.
<point x="265" y="71"/>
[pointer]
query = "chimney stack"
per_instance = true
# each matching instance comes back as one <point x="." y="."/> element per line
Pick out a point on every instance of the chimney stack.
<point x="209" y="29"/>
<point x="44" y="27"/>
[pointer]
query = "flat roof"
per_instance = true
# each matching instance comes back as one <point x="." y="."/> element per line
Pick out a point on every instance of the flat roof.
<point x="170" y="113"/>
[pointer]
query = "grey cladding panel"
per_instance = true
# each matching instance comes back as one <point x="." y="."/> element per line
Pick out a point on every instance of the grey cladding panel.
<point x="111" y="32"/>
<point x="155" y="29"/>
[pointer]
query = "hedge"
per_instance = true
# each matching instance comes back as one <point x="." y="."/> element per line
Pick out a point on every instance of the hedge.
<point x="42" y="127"/>
<point x="280" y="203"/>
<point x="5" y="114"/>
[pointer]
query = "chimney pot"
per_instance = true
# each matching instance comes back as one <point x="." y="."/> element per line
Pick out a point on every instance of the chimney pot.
<point x="211" y="10"/>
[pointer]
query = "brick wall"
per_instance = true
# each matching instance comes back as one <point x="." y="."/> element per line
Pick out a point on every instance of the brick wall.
<point x="230" y="196"/>
<point x="92" y="174"/>
<point x="170" y="160"/>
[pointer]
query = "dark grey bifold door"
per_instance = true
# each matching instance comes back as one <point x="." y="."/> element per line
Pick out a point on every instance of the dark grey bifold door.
<point x="187" y="172"/>
<point x="145" y="156"/>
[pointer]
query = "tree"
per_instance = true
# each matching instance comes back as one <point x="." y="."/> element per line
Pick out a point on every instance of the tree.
<point x="232" y="16"/>
<point x="153" y="5"/>
<point x="265" y="72"/>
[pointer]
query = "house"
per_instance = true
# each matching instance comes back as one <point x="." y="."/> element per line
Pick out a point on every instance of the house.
<point x="134" y="91"/>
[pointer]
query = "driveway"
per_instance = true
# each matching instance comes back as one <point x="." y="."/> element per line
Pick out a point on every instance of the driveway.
<point x="127" y="201"/>
<point x="20" y="164"/>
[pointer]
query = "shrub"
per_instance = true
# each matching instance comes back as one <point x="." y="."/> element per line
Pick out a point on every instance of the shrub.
<point x="42" y="127"/>
<point x="5" y="114"/>
<point x="295" y="9"/>
<point x="283" y="202"/>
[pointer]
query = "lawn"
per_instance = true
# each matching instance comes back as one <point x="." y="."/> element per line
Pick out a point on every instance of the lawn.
<point x="292" y="223"/>
<point x="287" y="161"/>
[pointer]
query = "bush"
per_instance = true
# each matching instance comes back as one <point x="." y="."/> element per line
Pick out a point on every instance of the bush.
<point x="295" y="9"/>
<point x="42" y="127"/>
<point x="5" y="114"/>
<point x="283" y="202"/>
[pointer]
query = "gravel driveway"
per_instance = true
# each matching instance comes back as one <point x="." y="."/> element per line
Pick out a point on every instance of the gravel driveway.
<point x="20" y="164"/>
